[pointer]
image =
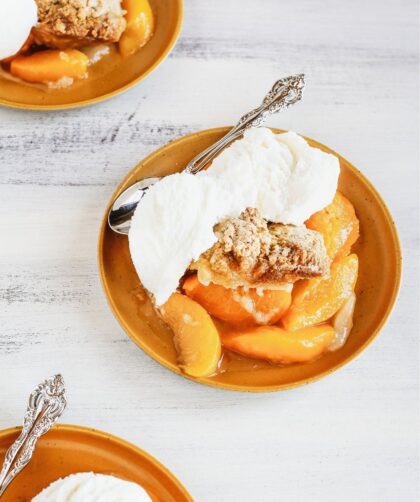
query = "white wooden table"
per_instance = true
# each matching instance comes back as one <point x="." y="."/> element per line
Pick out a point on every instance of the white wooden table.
<point x="350" y="437"/>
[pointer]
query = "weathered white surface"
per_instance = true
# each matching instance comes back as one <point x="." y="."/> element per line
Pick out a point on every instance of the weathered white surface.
<point x="352" y="436"/>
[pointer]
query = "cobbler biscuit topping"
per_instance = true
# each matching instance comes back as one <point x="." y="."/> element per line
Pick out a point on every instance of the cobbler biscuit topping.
<point x="81" y="19"/>
<point x="245" y="239"/>
<point x="252" y="252"/>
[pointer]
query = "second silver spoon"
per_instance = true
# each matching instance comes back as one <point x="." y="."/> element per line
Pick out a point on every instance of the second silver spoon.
<point x="46" y="404"/>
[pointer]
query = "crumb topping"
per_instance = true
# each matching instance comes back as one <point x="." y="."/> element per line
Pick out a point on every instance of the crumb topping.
<point x="80" y="20"/>
<point x="253" y="252"/>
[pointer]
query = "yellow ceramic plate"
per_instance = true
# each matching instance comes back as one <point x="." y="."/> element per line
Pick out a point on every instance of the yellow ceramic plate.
<point x="68" y="449"/>
<point x="379" y="276"/>
<point x="109" y="76"/>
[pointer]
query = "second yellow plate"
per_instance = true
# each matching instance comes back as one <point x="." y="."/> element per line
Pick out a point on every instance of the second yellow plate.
<point x="68" y="449"/>
<point x="111" y="75"/>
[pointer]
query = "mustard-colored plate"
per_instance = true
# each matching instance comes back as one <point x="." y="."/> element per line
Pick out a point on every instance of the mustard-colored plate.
<point x="68" y="449"/>
<point x="379" y="277"/>
<point x="108" y="77"/>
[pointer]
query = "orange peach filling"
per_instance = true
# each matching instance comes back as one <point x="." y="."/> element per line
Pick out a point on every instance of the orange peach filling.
<point x="338" y="224"/>
<point x="317" y="300"/>
<point x="238" y="306"/>
<point x="140" y="26"/>
<point x="195" y="335"/>
<point x="279" y="346"/>
<point x="50" y="66"/>
<point x="282" y="326"/>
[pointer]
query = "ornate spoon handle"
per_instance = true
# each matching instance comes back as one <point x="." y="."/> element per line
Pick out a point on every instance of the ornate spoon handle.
<point x="284" y="93"/>
<point x="46" y="404"/>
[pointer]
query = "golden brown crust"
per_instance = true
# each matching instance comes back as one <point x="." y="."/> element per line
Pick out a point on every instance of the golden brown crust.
<point x="73" y="23"/>
<point x="252" y="252"/>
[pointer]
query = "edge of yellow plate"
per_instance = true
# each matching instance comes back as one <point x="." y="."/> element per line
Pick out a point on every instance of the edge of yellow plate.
<point x="268" y="388"/>
<point x="109" y="95"/>
<point x="115" y="439"/>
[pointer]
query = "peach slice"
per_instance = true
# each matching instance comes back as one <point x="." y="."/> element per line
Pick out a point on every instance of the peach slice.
<point x="140" y="26"/>
<point x="279" y="346"/>
<point x="196" y="338"/>
<point x="338" y="224"/>
<point x="343" y="322"/>
<point x="238" y="306"/>
<point x="49" y="66"/>
<point x="316" y="300"/>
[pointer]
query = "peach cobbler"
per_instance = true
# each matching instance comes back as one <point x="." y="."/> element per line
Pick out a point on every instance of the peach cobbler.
<point x="53" y="43"/>
<point x="252" y="256"/>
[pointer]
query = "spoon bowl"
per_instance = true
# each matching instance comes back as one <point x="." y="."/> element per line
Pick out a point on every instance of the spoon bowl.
<point x="119" y="216"/>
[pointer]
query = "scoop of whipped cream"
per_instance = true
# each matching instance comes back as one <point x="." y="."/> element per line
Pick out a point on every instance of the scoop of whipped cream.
<point x="279" y="174"/>
<point x="88" y="486"/>
<point x="17" y="17"/>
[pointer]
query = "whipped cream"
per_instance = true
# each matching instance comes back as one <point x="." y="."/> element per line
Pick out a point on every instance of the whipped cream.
<point x="88" y="486"/>
<point x="17" y="17"/>
<point x="281" y="175"/>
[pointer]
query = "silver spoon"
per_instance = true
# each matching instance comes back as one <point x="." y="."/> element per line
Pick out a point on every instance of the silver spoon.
<point x="46" y="404"/>
<point x="284" y="93"/>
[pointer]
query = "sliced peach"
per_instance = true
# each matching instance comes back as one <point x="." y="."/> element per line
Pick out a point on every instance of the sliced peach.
<point x="49" y="66"/>
<point x="238" y="306"/>
<point x="196" y="338"/>
<point x="140" y="26"/>
<point x="338" y="224"/>
<point x="316" y="300"/>
<point x="343" y="322"/>
<point x="277" y="345"/>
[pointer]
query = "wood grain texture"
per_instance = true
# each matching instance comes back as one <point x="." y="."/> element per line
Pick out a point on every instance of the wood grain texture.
<point x="352" y="436"/>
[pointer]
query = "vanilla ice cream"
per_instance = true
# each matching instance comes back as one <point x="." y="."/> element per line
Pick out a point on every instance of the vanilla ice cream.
<point x="17" y="17"/>
<point x="89" y="487"/>
<point x="281" y="175"/>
